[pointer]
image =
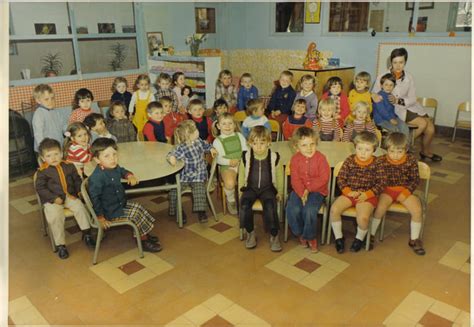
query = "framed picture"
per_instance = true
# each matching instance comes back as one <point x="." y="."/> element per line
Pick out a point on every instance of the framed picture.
<point x="421" y="5"/>
<point x="312" y="12"/>
<point x="155" y="42"/>
<point x="79" y="30"/>
<point x="106" y="27"/>
<point x="205" y="20"/>
<point x="45" y="28"/>
<point x="128" y="28"/>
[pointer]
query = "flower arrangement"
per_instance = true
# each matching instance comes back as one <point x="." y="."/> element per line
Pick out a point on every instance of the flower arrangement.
<point x="194" y="41"/>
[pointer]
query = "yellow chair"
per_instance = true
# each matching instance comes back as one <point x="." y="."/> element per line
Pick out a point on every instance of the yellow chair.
<point x="275" y="127"/>
<point x="322" y="211"/>
<point x="429" y="103"/>
<point x="459" y="123"/>
<point x="425" y="174"/>
<point x="240" y="116"/>
<point x="350" y="212"/>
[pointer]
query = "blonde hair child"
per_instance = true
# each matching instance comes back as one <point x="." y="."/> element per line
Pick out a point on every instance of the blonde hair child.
<point x="120" y="93"/>
<point x="359" y="120"/>
<point x="360" y="90"/>
<point x="306" y="89"/>
<point x="256" y="116"/>
<point x="327" y="123"/>
<point x="140" y="99"/>
<point x="226" y="90"/>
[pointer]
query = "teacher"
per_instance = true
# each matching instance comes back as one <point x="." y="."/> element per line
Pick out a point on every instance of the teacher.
<point x="406" y="107"/>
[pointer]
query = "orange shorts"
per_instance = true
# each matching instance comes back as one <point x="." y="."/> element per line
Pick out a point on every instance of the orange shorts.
<point x="394" y="192"/>
<point x="373" y="201"/>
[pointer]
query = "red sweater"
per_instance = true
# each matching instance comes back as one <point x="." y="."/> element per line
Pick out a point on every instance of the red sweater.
<point x="171" y="121"/>
<point x="310" y="174"/>
<point x="342" y="105"/>
<point x="290" y="125"/>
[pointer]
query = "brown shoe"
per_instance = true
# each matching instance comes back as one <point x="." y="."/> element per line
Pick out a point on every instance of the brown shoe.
<point x="417" y="246"/>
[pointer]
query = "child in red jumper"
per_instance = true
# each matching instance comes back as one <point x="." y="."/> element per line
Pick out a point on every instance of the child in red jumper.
<point x="154" y="129"/>
<point x="203" y="124"/>
<point x="296" y="120"/>
<point x="333" y="90"/>
<point x="171" y="119"/>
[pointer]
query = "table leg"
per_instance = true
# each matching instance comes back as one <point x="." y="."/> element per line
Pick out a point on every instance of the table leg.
<point x="178" y="202"/>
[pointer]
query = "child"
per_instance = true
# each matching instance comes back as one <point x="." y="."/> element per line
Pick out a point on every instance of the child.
<point x="384" y="111"/>
<point x="179" y="82"/>
<point x="226" y="90"/>
<point x="119" y="125"/>
<point x="309" y="180"/>
<point x="333" y="90"/>
<point x="164" y="89"/>
<point x="296" y="120"/>
<point x="247" y="91"/>
<point x="229" y="146"/>
<point x="171" y="119"/>
<point x="81" y="106"/>
<point x="361" y="179"/>
<point x="401" y="171"/>
<point x="154" y="129"/>
<point x="119" y="87"/>
<point x="191" y="149"/>
<point x="358" y="121"/>
<point x="76" y="145"/>
<point x="96" y="125"/>
<point x="260" y="177"/>
<point x="220" y="106"/>
<point x="307" y="90"/>
<point x="281" y="101"/>
<point x="187" y="95"/>
<point x="140" y="99"/>
<point x="47" y="123"/>
<point x="360" y="90"/>
<point x="108" y="195"/>
<point x="58" y="186"/>
<point x="203" y="124"/>
<point x="256" y="117"/>
<point x="327" y="123"/>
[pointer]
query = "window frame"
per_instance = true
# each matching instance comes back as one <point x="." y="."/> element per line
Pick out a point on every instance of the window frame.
<point x="139" y="36"/>
<point x="273" y="23"/>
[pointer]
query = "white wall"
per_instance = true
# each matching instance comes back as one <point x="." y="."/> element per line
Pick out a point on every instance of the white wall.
<point x="25" y="15"/>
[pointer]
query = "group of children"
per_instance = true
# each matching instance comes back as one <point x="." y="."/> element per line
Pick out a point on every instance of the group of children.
<point x="172" y="114"/>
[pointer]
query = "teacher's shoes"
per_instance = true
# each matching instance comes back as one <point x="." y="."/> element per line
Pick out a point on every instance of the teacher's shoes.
<point x="202" y="217"/>
<point x="433" y="157"/>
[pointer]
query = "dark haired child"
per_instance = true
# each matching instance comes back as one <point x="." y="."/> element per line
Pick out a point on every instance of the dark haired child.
<point x="81" y="106"/>
<point x="96" y="124"/>
<point x="120" y="93"/>
<point x="77" y="146"/>
<point x="333" y="90"/>
<point x="296" y="120"/>
<point x="164" y="88"/>
<point x="119" y="125"/>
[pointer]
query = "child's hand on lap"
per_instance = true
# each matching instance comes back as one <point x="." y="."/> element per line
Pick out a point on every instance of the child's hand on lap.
<point x="104" y="222"/>
<point x="304" y="198"/>
<point x="362" y="197"/>
<point x="213" y="152"/>
<point x="393" y="121"/>
<point x="234" y="162"/>
<point x="376" y="98"/>
<point x="58" y="201"/>
<point x="132" y="180"/>
<point x="172" y="160"/>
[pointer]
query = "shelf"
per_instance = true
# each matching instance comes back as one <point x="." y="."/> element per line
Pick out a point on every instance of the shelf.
<point x="178" y="58"/>
<point x="158" y="71"/>
<point x="199" y="90"/>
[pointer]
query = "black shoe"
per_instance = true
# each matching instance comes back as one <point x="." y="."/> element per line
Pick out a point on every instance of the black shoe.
<point x="89" y="240"/>
<point x="433" y="157"/>
<point x="62" y="252"/>
<point x="202" y="217"/>
<point x="150" y="246"/>
<point x="340" y="245"/>
<point x="356" y="245"/>
<point x="153" y="238"/>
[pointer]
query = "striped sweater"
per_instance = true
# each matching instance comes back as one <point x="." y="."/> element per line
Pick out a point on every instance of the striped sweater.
<point x="78" y="154"/>
<point x="357" y="127"/>
<point x="326" y="128"/>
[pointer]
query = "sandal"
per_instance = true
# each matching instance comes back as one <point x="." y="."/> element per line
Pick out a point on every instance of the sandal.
<point x="417" y="246"/>
<point x="433" y="157"/>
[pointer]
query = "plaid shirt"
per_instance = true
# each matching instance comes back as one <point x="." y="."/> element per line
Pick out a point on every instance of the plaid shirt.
<point x="229" y="94"/>
<point x="168" y="93"/>
<point x="122" y="129"/>
<point x="403" y="173"/>
<point x="369" y="179"/>
<point x="195" y="166"/>
<point x="357" y="127"/>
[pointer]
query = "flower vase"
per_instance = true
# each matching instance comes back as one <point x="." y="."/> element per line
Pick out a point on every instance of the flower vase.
<point x="194" y="50"/>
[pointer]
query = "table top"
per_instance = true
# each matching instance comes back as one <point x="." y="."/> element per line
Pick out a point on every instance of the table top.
<point x="146" y="160"/>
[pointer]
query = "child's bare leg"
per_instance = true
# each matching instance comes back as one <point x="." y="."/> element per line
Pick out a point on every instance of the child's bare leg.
<point x="384" y="202"/>
<point x="229" y="178"/>
<point x="363" y="212"/>
<point x="341" y="204"/>
<point x="413" y="205"/>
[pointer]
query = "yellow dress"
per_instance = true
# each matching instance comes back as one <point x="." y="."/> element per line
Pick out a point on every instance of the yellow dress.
<point x="140" y="117"/>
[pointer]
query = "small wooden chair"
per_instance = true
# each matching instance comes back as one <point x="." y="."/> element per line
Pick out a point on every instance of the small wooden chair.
<point x="430" y="103"/>
<point x="275" y="127"/>
<point x="464" y="107"/>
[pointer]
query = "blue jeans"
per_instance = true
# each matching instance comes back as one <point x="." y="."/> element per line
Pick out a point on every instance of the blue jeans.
<point x="303" y="219"/>
<point x="401" y="127"/>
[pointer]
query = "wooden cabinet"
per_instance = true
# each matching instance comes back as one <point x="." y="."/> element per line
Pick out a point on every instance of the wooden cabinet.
<point x="322" y="75"/>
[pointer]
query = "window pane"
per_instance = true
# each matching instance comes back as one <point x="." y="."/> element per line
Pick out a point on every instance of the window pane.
<point x="289" y="17"/>
<point x="105" y="55"/>
<point x="41" y="58"/>
<point x="398" y="17"/>
<point x="464" y="15"/>
<point x="433" y="17"/>
<point x="348" y="16"/>
<point x="31" y="18"/>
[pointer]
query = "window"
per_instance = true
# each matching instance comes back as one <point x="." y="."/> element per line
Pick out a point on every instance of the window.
<point x="289" y="17"/>
<point x="461" y="17"/>
<point x="348" y="16"/>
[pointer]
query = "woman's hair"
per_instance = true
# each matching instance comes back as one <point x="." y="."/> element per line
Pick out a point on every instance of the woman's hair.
<point x="91" y="120"/>
<point x="141" y="77"/>
<point x="399" y="52"/>
<point x="153" y="105"/>
<point x="366" y="137"/>
<point x="304" y="78"/>
<point x="357" y="105"/>
<point x="253" y="105"/>
<point x="176" y="76"/>
<point x="193" y="103"/>
<point x="302" y="132"/>
<point x="223" y="73"/>
<point x="71" y="131"/>
<point x="80" y="95"/>
<point x="298" y="101"/>
<point x="259" y="133"/>
<point x="332" y="81"/>
<point x="363" y="76"/>
<point x="117" y="81"/>
<point x="226" y="115"/>
<point x="48" y="144"/>
<point x="327" y="103"/>
<point x="396" y="140"/>
<point x="183" y="131"/>
<point x="101" y="144"/>
<point x="186" y="87"/>
<point x="110" y="112"/>
<point x="389" y="77"/>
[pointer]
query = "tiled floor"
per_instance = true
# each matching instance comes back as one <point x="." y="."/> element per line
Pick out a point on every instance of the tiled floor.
<point x="205" y="277"/>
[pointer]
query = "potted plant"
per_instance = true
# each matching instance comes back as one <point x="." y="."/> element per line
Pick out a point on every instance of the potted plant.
<point x="52" y="64"/>
<point x="119" y="52"/>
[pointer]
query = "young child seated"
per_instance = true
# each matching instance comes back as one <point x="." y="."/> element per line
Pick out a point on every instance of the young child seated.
<point x="226" y="90"/>
<point x="327" y="123"/>
<point x="81" y="106"/>
<point x="260" y="177"/>
<point x="281" y="101"/>
<point x="256" y="117"/>
<point x="401" y="171"/>
<point x="46" y="122"/>
<point x="229" y="145"/>
<point x="140" y="99"/>
<point x="58" y="186"/>
<point x="306" y="89"/>
<point x="179" y="82"/>
<point x="220" y="106"/>
<point x="120" y="93"/>
<point x="171" y="119"/>
<point x="187" y="95"/>
<point x="119" y="125"/>
<point x="333" y="90"/>
<point x="361" y="179"/>
<point x="77" y="146"/>
<point x="358" y="121"/>
<point x="108" y="195"/>
<point x="191" y="149"/>
<point x="96" y="125"/>
<point x="203" y="124"/>
<point x="360" y="91"/>
<point x="154" y="129"/>
<point x="247" y="91"/>
<point x="309" y="180"/>
<point x="384" y="111"/>
<point x="164" y="88"/>
<point x="296" y="120"/>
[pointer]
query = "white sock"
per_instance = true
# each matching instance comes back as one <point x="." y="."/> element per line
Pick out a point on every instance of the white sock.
<point x="361" y="233"/>
<point x="415" y="229"/>
<point x="230" y="195"/>
<point x="375" y="225"/>
<point x="337" y="229"/>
